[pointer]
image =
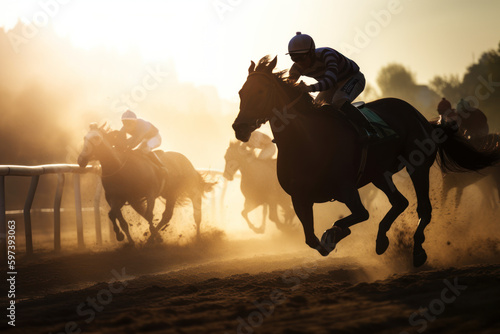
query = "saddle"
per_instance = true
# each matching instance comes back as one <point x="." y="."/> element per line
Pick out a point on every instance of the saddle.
<point x="153" y="160"/>
<point x="384" y="131"/>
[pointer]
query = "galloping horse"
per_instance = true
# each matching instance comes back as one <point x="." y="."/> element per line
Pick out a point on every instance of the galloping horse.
<point x="259" y="185"/>
<point x="129" y="176"/>
<point x="319" y="155"/>
<point x="464" y="180"/>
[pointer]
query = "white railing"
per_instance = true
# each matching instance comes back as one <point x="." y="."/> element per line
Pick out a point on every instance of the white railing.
<point x="34" y="172"/>
<point x="61" y="169"/>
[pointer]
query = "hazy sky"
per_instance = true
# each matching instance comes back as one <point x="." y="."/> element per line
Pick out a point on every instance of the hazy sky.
<point x="211" y="42"/>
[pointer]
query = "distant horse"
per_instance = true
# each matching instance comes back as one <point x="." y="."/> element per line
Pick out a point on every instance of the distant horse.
<point x="472" y="124"/>
<point x="259" y="185"/>
<point x="129" y="176"/>
<point x="463" y="180"/>
<point x="475" y="126"/>
<point x="319" y="155"/>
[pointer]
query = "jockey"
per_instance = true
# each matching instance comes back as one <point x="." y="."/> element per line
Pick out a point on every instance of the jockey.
<point x="259" y="140"/>
<point x="143" y="135"/>
<point x="339" y="80"/>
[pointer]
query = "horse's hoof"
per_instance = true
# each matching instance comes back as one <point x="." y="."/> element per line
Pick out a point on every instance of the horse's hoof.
<point x="382" y="244"/>
<point x="332" y="236"/>
<point x="419" y="257"/>
<point x="324" y="251"/>
<point x="327" y="241"/>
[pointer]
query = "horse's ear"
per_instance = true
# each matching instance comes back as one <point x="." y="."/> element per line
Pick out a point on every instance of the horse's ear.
<point x="272" y="64"/>
<point x="103" y="126"/>
<point x="252" y="67"/>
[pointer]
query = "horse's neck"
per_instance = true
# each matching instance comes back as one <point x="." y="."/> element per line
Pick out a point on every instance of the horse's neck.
<point x="111" y="159"/>
<point x="294" y="128"/>
<point x="311" y="134"/>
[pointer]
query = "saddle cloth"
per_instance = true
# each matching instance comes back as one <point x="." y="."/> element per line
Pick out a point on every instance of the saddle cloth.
<point x="384" y="131"/>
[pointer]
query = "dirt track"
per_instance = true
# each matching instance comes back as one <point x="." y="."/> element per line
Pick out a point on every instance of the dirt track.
<point x="154" y="291"/>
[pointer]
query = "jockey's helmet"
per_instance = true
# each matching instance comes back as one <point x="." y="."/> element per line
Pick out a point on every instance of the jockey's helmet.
<point x="444" y="105"/>
<point x="300" y="44"/>
<point x="128" y="115"/>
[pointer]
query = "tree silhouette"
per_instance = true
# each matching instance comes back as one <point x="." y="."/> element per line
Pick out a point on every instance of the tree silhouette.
<point x="480" y="86"/>
<point x="395" y="80"/>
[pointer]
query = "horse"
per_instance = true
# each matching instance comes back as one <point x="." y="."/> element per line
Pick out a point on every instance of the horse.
<point x="259" y="185"/>
<point x="471" y="124"/>
<point x="320" y="156"/>
<point x="464" y="180"/>
<point x="130" y="177"/>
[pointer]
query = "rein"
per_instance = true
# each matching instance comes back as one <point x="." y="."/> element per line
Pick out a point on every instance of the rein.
<point x="114" y="154"/>
<point x="364" y="148"/>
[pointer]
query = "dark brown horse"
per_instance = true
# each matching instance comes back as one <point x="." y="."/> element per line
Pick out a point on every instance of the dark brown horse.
<point x="259" y="185"/>
<point x="130" y="177"/>
<point x="319" y="155"/>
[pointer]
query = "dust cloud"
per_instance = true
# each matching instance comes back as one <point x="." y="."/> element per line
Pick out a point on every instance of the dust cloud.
<point x="51" y="91"/>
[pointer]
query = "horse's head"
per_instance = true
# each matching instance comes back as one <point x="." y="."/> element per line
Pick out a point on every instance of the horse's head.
<point x="257" y="98"/>
<point x="91" y="143"/>
<point x="236" y="154"/>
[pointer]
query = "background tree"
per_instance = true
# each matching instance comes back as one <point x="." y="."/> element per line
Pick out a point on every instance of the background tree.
<point x="395" y="80"/>
<point x="480" y="86"/>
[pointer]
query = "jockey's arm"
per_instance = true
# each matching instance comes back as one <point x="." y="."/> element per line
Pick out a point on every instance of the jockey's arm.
<point x="134" y="141"/>
<point x="329" y="78"/>
<point x="293" y="74"/>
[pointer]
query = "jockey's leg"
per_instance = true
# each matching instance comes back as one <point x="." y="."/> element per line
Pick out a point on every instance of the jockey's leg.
<point x="360" y="122"/>
<point x="147" y="146"/>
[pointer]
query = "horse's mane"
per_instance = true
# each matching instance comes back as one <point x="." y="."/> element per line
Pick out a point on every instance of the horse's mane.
<point x="290" y="87"/>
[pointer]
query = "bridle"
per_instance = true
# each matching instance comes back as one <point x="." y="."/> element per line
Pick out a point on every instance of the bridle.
<point x="103" y="142"/>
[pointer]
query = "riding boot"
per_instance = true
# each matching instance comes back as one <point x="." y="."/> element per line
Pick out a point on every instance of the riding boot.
<point x="360" y="122"/>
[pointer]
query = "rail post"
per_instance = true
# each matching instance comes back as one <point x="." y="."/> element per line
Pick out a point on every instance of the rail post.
<point x="3" y="220"/>
<point x="78" y="210"/>
<point x="57" y="212"/>
<point x="97" y="211"/>
<point x="27" y="213"/>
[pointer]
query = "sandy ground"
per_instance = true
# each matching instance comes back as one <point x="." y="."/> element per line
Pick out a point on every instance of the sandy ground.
<point x="275" y="284"/>
<point x="152" y="290"/>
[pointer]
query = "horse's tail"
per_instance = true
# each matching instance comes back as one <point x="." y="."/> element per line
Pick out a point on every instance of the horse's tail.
<point x="456" y="154"/>
<point x="206" y="186"/>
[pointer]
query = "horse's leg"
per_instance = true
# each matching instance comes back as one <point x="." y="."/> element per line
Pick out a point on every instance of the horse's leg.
<point x="304" y="210"/>
<point x="273" y="215"/>
<point x="420" y="179"/>
<point x="115" y="205"/>
<point x="340" y="228"/>
<point x="399" y="204"/>
<point x="124" y="226"/>
<point x="112" y="216"/>
<point x="167" y="213"/>
<point x="249" y="206"/>
<point x="458" y="196"/>
<point x="197" y="201"/>
<point x="289" y="214"/>
<point x="147" y="213"/>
